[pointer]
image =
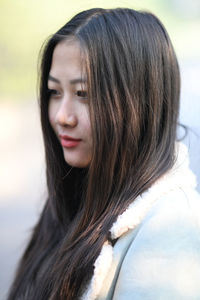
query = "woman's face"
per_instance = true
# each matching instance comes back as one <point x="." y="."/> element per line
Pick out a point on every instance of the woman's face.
<point x="68" y="104"/>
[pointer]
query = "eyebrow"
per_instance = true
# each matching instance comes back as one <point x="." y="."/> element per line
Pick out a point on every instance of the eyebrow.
<point x="73" y="81"/>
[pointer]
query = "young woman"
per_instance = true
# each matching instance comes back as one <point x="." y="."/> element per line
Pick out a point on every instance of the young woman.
<point x="122" y="217"/>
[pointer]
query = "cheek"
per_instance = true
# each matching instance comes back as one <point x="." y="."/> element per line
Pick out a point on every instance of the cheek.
<point x="51" y="114"/>
<point x="86" y="122"/>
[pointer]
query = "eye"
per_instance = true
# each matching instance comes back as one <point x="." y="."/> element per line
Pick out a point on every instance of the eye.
<point x="52" y="92"/>
<point x="82" y="94"/>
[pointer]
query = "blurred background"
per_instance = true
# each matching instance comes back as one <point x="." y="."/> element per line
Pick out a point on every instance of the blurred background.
<point x="24" y="26"/>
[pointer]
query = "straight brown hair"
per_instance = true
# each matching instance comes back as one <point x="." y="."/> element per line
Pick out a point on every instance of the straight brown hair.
<point x="133" y="90"/>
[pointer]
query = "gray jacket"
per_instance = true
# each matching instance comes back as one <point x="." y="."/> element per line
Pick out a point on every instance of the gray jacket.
<point x="157" y="253"/>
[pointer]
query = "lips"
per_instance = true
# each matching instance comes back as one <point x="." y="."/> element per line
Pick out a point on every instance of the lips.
<point x="68" y="141"/>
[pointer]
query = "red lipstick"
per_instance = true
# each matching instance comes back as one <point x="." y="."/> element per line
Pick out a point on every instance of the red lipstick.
<point x="68" y="141"/>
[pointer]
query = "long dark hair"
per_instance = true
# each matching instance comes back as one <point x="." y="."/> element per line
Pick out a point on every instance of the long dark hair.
<point x="133" y="90"/>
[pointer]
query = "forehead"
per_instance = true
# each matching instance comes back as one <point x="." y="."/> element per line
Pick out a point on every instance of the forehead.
<point x="67" y="59"/>
<point x="67" y="48"/>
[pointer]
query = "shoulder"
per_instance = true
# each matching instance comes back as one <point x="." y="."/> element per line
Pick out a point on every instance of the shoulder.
<point x="177" y="211"/>
<point x="163" y="259"/>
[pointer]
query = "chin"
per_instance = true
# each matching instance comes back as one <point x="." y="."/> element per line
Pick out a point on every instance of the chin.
<point x="77" y="163"/>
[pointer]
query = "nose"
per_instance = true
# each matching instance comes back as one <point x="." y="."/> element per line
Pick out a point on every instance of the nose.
<point x="66" y="114"/>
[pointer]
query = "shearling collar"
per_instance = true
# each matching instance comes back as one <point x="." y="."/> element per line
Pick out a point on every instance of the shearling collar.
<point x="180" y="176"/>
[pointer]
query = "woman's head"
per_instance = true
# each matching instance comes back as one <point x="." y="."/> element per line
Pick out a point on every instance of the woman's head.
<point x="132" y="81"/>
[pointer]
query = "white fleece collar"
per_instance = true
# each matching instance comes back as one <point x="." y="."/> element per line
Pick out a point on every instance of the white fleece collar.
<point x="179" y="176"/>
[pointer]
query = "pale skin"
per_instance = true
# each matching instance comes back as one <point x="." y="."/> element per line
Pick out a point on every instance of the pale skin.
<point x="68" y="104"/>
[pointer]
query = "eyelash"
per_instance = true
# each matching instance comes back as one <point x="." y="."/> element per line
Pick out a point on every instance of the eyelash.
<point x="52" y="92"/>
<point x="80" y="93"/>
